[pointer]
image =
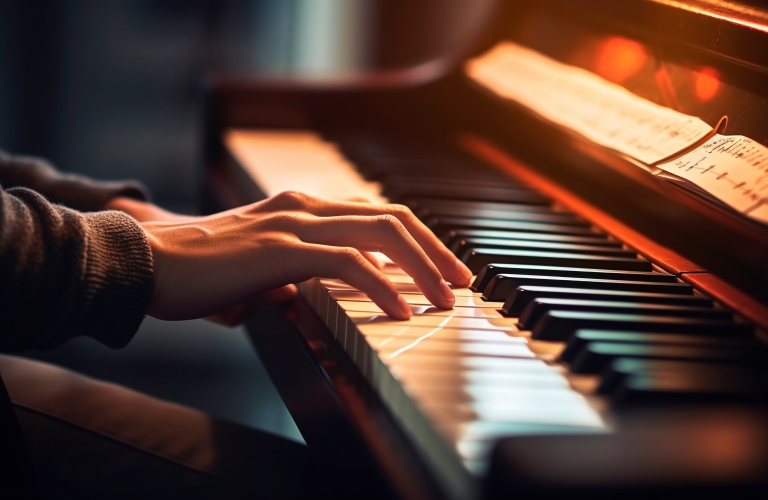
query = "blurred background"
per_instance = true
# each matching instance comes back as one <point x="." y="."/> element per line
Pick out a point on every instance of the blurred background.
<point x="113" y="89"/>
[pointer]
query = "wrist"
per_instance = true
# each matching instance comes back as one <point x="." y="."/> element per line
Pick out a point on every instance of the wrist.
<point x="143" y="211"/>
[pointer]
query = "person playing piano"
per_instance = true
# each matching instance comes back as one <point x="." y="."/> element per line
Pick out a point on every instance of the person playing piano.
<point x="79" y="257"/>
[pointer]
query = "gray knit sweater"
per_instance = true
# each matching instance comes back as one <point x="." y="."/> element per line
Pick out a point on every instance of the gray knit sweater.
<point x="68" y="268"/>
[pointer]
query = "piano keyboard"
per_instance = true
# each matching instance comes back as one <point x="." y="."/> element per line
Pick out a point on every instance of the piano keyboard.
<point x="563" y="328"/>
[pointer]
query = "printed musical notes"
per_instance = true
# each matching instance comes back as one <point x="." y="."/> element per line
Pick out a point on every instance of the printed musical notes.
<point x="604" y="112"/>
<point x="733" y="168"/>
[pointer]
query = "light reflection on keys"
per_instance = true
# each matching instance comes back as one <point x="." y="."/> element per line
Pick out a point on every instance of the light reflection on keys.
<point x="456" y="379"/>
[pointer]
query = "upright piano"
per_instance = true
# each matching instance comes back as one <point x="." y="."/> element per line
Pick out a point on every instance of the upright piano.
<point x="613" y="340"/>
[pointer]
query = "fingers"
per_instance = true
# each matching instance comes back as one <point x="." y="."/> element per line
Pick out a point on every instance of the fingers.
<point x="349" y="265"/>
<point x="373" y="259"/>
<point x="450" y="267"/>
<point x="281" y="295"/>
<point x="386" y="234"/>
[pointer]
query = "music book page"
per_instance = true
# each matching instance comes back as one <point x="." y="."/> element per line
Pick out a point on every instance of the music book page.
<point x="734" y="169"/>
<point x="602" y="111"/>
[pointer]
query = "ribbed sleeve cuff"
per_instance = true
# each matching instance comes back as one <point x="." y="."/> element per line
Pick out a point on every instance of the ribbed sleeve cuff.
<point x="118" y="278"/>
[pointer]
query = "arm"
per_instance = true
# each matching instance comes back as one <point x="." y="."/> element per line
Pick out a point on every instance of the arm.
<point x="74" y="191"/>
<point x="66" y="273"/>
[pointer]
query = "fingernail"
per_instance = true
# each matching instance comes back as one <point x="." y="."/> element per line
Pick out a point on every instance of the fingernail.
<point x="404" y="306"/>
<point x="463" y="270"/>
<point x="447" y="293"/>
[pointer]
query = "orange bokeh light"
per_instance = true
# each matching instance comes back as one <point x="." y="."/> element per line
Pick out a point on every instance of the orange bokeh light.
<point x="619" y="58"/>
<point x="706" y="83"/>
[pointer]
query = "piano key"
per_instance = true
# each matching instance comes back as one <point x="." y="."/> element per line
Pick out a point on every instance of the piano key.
<point x="442" y="225"/>
<point x="399" y="183"/>
<point x="439" y="378"/>
<point x="597" y="356"/>
<point x="434" y="322"/>
<point x="542" y="407"/>
<point x="413" y="299"/>
<point x="621" y="367"/>
<point x="376" y="334"/>
<point x="491" y="394"/>
<point x="422" y="177"/>
<point x="463" y="248"/>
<point x="407" y="288"/>
<point x="537" y="308"/>
<point x="426" y="205"/>
<point x="502" y="285"/>
<point x="512" y="195"/>
<point x="453" y="238"/>
<point x="462" y="312"/>
<point x="488" y="272"/>
<point x="519" y="299"/>
<point x="653" y="390"/>
<point x="481" y="257"/>
<point x="559" y="325"/>
<point x="581" y="338"/>
<point x="435" y="217"/>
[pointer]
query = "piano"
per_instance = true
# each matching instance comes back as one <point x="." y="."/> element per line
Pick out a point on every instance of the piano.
<point x="613" y="339"/>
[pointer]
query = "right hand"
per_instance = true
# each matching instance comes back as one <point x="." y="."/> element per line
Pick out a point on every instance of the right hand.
<point x="209" y="264"/>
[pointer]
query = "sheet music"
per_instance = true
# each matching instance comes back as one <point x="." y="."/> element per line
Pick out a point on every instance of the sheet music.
<point x="602" y="111"/>
<point x="733" y="168"/>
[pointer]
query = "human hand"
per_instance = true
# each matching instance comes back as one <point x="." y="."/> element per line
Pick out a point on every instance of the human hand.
<point x="144" y="211"/>
<point x="210" y="264"/>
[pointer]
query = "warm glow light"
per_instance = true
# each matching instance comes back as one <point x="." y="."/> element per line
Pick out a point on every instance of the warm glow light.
<point x="619" y="58"/>
<point x="707" y="83"/>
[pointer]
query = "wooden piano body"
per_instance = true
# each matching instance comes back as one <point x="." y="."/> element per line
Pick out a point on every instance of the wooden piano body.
<point x="344" y="420"/>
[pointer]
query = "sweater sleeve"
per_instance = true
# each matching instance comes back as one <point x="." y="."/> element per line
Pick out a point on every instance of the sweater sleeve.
<point x="64" y="273"/>
<point x="74" y="191"/>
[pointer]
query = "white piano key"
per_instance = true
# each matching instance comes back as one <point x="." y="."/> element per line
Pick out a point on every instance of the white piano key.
<point x="416" y="299"/>
<point x="542" y="407"/>
<point x="377" y="333"/>
<point x="460" y="312"/>
<point x="499" y="324"/>
<point x="403" y="346"/>
<point x="430" y="379"/>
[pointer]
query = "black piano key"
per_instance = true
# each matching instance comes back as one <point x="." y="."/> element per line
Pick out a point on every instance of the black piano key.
<point x="465" y="246"/>
<point x="502" y="285"/>
<point x="511" y="195"/>
<point x="597" y="356"/>
<point x="620" y="368"/>
<point x="519" y="299"/>
<point x="399" y="182"/>
<point x="428" y="205"/>
<point x="581" y="338"/>
<point x="537" y="308"/>
<point x="456" y="236"/>
<point x="654" y="391"/>
<point x="443" y="225"/>
<point x="481" y="257"/>
<point x="488" y="272"/>
<point x="559" y="325"/>
<point x="433" y="216"/>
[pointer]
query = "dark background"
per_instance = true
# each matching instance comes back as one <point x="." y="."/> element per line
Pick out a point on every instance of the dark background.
<point x="112" y="89"/>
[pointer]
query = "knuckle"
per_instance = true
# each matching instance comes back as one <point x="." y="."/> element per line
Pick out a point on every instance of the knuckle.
<point x="350" y="256"/>
<point x="391" y="223"/>
<point x="291" y="199"/>
<point x="400" y="211"/>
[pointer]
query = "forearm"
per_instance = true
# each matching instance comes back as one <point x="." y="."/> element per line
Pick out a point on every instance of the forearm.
<point x="74" y="191"/>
